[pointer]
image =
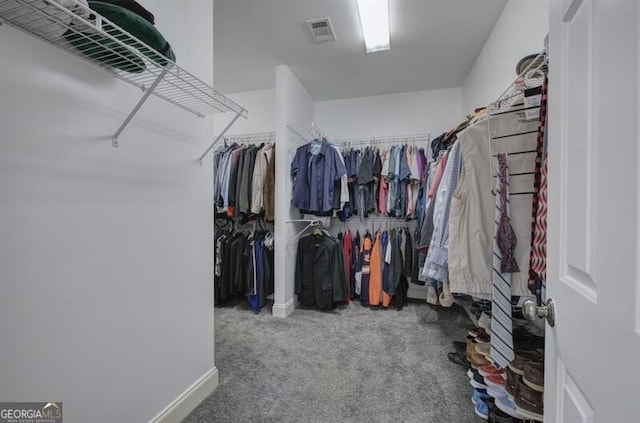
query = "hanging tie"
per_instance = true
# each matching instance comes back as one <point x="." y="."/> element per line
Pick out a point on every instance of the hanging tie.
<point x="538" y="258"/>
<point x="504" y="264"/>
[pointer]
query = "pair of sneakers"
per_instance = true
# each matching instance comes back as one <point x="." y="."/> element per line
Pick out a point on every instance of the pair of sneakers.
<point x="443" y="298"/>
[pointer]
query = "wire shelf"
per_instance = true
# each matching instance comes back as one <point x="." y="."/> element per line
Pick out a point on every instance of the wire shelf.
<point x="73" y="27"/>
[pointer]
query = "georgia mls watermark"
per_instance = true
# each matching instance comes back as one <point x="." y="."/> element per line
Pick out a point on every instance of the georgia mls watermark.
<point x="30" y="412"/>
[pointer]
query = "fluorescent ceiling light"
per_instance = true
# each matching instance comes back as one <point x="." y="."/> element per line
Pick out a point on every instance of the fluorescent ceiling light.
<point x="374" y="20"/>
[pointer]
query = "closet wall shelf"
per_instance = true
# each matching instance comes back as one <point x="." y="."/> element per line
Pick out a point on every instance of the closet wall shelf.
<point x="73" y="27"/>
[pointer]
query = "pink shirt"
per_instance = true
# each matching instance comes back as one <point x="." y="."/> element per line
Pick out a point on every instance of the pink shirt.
<point x="438" y="175"/>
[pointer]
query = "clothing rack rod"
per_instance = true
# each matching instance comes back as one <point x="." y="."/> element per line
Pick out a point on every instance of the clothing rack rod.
<point x="250" y="138"/>
<point x="377" y="218"/>
<point x="252" y="135"/>
<point x="384" y="140"/>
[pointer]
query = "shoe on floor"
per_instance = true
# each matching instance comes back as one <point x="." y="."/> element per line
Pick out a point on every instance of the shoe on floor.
<point x="432" y="295"/>
<point x="460" y="346"/>
<point x="529" y="402"/>
<point x="534" y="376"/>
<point x="458" y="358"/>
<point x="446" y="298"/>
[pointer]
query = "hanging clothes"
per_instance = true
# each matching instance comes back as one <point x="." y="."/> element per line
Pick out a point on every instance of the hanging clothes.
<point x="243" y="266"/>
<point x="375" y="276"/>
<point x="315" y="169"/>
<point x="320" y="278"/>
<point x="383" y="182"/>
<point x="363" y="269"/>
<point x="472" y="205"/>
<point x="436" y="263"/>
<point x="269" y="190"/>
<point x="380" y="265"/>
<point x="244" y="179"/>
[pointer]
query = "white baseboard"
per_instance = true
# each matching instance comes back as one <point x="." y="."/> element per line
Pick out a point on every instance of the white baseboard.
<point x="189" y="399"/>
<point x="284" y="310"/>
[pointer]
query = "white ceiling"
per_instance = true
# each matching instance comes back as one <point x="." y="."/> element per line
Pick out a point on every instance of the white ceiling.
<point x="434" y="43"/>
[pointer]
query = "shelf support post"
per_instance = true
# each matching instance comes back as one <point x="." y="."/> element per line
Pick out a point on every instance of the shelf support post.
<point x="148" y="92"/>
<point x="238" y="114"/>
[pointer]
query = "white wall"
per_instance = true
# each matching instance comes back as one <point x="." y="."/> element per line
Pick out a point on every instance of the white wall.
<point x="105" y="254"/>
<point x="520" y="31"/>
<point x="261" y="105"/>
<point x="416" y="112"/>
<point x="293" y="105"/>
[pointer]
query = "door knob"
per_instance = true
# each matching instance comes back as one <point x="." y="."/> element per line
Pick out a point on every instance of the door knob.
<point x="531" y="311"/>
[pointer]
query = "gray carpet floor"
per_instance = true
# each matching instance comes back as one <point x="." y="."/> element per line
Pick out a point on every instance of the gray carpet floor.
<point x="353" y="364"/>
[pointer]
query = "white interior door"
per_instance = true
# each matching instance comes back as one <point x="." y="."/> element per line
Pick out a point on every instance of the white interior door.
<point x="593" y="352"/>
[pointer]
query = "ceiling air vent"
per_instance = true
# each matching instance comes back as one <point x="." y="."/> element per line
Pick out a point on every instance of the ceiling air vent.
<point x="321" y="29"/>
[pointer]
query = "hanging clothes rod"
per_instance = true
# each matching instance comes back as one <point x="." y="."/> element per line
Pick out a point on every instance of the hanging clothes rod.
<point x="396" y="139"/>
<point x="251" y="138"/>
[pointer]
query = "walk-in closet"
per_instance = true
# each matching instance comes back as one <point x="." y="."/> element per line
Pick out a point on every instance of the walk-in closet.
<point x="319" y="211"/>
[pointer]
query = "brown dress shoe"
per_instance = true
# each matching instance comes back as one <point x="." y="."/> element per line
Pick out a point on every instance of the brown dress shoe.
<point x="529" y="402"/>
<point x="478" y="360"/>
<point x="517" y="365"/>
<point x="534" y="376"/>
<point x="512" y="383"/>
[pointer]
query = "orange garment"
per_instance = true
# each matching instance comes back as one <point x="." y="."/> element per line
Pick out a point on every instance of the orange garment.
<point x="386" y="297"/>
<point x="375" y="279"/>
